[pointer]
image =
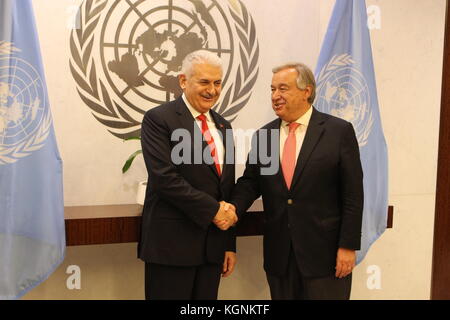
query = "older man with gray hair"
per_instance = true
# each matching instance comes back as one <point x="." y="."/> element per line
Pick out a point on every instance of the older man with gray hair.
<point x="313" y="203"/>
<point x="186" y="240"/>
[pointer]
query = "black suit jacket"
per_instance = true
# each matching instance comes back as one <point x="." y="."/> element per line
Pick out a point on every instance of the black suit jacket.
<point x="182" y="198"/>
<point x="323" y="209"/>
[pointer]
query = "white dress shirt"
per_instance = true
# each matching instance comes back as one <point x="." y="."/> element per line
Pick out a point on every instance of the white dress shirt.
<point x="212" y="129"/>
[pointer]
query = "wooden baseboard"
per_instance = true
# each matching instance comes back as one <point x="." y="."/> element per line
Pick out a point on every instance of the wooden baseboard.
<point x="81" y="230"/>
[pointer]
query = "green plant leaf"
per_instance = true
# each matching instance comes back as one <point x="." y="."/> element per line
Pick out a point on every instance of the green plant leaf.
<point x="130" y="161"/>
<point x="132" y="138"/>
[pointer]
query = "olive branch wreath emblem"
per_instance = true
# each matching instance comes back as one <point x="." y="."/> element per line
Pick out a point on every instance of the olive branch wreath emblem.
<point x="11" y="154"/>
<point x="7" y="48"/>
<point x="335" y="63"/>
<point x="110" y="113"/>
<point x="339" y="61"/>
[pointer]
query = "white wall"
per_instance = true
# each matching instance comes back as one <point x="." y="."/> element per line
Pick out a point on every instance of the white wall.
<point x="407" y="54"/>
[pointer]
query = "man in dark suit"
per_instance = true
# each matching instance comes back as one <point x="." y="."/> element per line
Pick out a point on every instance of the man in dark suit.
<point x="189" y="154"/>
<point x="312" y="192"/>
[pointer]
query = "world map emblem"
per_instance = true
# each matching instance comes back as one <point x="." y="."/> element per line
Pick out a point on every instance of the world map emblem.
<point x="343" y="92"/>
<point x="126" y="55"/>
<point x="25" y="119"/>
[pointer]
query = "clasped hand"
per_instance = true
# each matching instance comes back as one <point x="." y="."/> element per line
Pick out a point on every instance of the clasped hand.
<point x="226" y="216"/>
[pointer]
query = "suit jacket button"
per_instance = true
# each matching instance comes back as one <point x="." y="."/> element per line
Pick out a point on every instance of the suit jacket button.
<point x="290" y="201"/>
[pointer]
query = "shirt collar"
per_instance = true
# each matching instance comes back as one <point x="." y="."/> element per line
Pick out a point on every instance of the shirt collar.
<point x="303" y="120"/>
<point x="194" y="112"/>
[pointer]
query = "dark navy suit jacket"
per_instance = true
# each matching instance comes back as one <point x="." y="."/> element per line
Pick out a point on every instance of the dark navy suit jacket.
<point x="323" y="209"/>
<point x="182" y="198"/>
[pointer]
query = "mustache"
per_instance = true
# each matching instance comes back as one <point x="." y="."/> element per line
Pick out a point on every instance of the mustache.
<point x="208" y="95"/>
<point x="278" y="102"/>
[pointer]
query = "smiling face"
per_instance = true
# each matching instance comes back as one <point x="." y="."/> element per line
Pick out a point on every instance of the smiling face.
<point x="203" y="87"/>
<point x="288" y="101"/>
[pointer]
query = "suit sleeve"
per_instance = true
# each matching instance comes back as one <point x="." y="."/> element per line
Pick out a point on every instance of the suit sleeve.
<point x="352" y="192"/>
<point x="247" y="189"/>
<point x="164" y="179"/>
<point x="231" y="241"/>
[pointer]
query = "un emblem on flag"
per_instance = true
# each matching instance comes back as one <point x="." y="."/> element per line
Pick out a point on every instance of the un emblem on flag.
<point x="343" y="92"/>
<point x="126" y="55"/>
<point x="25" y="119"/>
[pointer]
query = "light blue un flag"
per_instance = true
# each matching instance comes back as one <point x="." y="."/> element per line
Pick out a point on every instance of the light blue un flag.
<point x="32" y="237"/>
<point x="346" y="88"/>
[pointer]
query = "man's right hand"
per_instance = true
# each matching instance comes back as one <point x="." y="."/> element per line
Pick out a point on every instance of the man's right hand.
<point x="226" y="216"/>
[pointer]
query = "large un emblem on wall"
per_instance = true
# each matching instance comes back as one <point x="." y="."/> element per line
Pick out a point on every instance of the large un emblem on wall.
<point x="126" y="55"/>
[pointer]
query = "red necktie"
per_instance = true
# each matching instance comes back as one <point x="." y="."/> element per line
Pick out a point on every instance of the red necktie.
<point x="209" y="139"/>
<point x="289" y="155"/>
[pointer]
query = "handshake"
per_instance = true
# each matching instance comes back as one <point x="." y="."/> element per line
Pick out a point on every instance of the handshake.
<point x="226" y="216"/>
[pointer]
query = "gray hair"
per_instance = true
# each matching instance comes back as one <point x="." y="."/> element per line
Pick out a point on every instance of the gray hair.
<point x="305" y="77"/>
<point x="197" y="57"/>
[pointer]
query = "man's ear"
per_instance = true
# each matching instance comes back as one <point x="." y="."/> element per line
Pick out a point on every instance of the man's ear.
<point x="182" y="80"/>
<point x="308" y="90"/>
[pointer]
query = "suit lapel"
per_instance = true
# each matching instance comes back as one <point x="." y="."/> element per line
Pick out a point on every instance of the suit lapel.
<point x="312" y="137"/>
<point x="220" y="126"/>
<point x="188" y="123"/>
<point x="274" y="128"/>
